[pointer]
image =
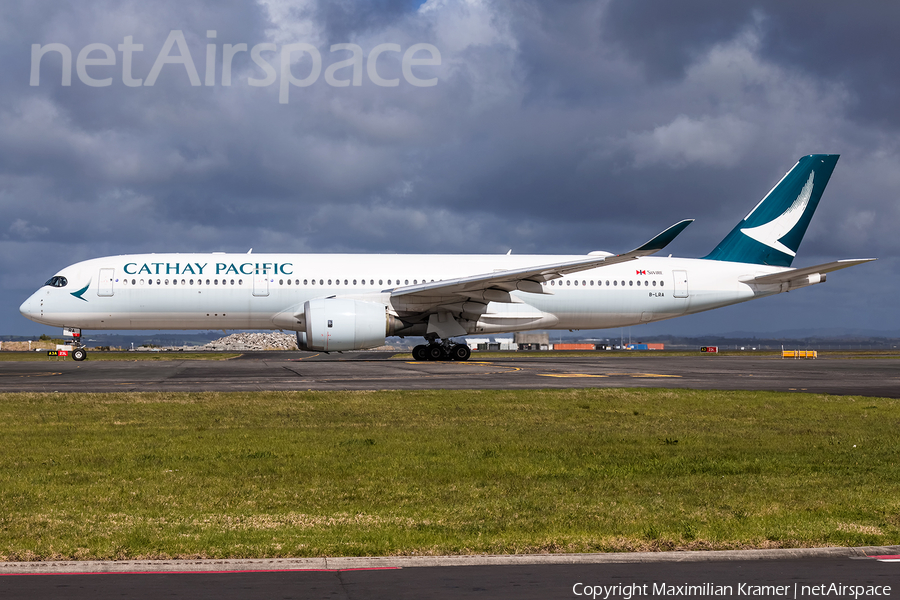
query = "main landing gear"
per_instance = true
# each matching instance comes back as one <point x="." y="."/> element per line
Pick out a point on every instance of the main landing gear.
<point x="445" y="350"/>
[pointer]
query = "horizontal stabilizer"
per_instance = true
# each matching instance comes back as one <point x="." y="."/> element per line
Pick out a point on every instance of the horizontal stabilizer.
<point x="795" y="274"/>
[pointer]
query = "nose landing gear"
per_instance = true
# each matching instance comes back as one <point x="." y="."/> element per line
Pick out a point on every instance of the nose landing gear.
<point x="79" y="352"/>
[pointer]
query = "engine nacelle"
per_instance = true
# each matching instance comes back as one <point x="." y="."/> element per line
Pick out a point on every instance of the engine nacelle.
<point x="334" y="324"/>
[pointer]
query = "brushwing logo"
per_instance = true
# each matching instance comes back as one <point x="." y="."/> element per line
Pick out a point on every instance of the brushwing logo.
<point x="81" y="292"/>
<point x="769" y="233"/>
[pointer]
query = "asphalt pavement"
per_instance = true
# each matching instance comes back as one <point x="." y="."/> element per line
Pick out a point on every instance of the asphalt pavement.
<point x="379" y="371"/>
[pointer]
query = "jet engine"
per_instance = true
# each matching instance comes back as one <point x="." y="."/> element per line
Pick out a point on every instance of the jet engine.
<point x="334" y="324"/>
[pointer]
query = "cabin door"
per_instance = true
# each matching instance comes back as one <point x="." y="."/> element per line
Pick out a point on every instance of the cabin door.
<point x="681" y="284"/>
<point x="105" y="282"/>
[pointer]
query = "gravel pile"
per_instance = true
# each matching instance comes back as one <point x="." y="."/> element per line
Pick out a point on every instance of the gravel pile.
<point x="254" y="341"/>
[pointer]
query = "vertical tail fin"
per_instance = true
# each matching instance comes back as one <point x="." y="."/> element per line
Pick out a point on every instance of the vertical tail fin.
<point x="771" y="233"/>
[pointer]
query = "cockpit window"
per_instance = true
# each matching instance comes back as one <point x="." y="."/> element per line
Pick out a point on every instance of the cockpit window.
<point x="58" y="281"/>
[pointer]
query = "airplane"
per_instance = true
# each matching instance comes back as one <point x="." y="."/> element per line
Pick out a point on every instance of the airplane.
<point x="340" y="302"/>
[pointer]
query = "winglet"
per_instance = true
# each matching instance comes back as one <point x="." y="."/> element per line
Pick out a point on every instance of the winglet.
<point x="660" y="241"/>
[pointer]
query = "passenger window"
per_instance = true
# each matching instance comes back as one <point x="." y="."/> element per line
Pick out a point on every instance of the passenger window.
<point x="615" y="283"/>
<point x="583" y="282"/>
<point x="132" y="282"/>
<point x="406" y="282"/>
<point x="630" y="283"/>
<point x="380" y="282"/>
<point x="345" y="282"/>
<point x="305" y="282"/>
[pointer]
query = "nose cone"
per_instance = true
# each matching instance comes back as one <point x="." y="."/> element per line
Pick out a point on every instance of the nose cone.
<point x="31" y="308"/>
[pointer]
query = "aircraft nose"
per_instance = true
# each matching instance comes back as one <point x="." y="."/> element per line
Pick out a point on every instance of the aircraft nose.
<point x="31" y="308"/>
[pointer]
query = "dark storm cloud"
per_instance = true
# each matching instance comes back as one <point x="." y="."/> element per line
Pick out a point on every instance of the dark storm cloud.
<point x="343" y="20"/>
<point x="851" y="42"/>
<point x="554" y="127"/>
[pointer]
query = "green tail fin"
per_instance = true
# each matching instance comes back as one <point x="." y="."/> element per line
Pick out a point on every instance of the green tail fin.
<point x="771" y="233"/>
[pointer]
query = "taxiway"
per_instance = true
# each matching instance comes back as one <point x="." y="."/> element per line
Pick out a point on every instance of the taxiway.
<point x="261" y="371"/>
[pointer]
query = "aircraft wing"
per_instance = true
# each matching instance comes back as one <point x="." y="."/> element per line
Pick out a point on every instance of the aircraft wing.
<point x="528" y="279"/>
<point x="794" y="275"/>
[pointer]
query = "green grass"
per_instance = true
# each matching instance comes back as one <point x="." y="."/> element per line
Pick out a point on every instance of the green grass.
<point x="123" y="356"/>
<point x="116" y="476"/>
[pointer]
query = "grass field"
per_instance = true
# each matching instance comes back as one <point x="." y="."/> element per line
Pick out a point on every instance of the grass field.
<point x="118" y="476"/>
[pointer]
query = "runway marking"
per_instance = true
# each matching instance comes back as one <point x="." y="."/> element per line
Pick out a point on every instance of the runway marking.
<point x="570" y="375"/>
<point x="465" y="363"/>
<point x="35" y="374"/>
<point x="652" y="375"/>
<point x="635" y="375"/>
<point x="447" y="362"/>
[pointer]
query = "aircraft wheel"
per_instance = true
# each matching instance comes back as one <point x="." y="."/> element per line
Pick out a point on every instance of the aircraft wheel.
<point x="420" y="352"/>
<point x="460" y="352"/>
<point x="79" y="354"/>
<point x="435" y="352"/>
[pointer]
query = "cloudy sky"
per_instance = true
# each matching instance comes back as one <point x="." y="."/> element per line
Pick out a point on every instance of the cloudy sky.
<point x="550" y="127"/>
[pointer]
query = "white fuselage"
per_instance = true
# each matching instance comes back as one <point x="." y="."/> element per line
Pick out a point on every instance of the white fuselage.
<point x="264" y="291"/>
